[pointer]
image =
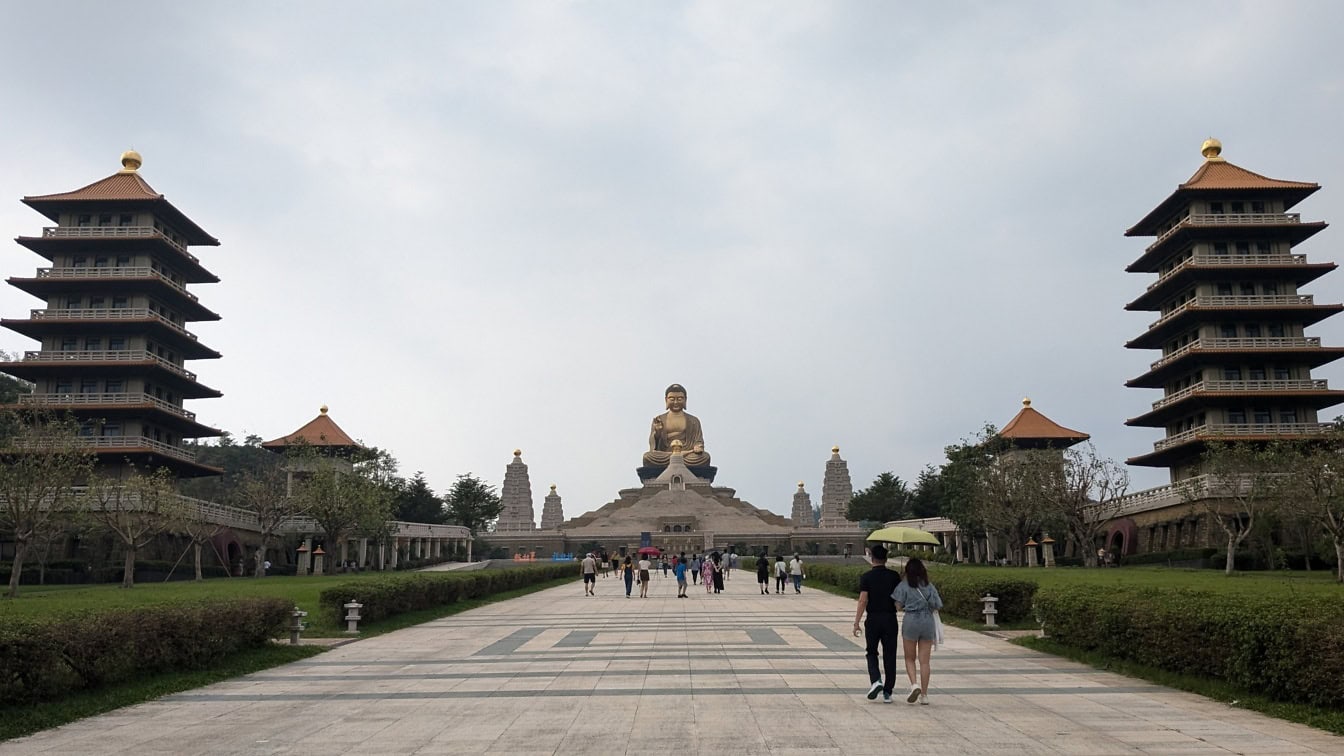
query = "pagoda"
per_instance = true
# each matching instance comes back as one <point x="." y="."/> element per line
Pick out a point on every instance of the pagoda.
<point x="1029" y="430"/>
<point x="1236" y="361"/>
<point x="113" y="328"/>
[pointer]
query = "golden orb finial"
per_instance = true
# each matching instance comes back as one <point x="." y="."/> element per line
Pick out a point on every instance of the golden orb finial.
<point x="552" y="488"/>
<point x="130" y="161"/>
<point x="1026" y="401"/>
<point x="517" y="452"/>
<point x="322" y="409"/>
<point x="835" y="449"/>
<point x="800" y="484"/>
<point x="1212" y="149"/>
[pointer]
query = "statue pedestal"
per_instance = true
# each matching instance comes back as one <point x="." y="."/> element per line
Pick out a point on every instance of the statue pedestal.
<point x="650" y="472"/>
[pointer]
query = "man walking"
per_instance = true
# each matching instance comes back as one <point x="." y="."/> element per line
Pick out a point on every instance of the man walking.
<point x="875" y="589"/>
<point x="589" y="570"/>
<point x="695" y="569"/>
<point x="680" y="571"/>
<point x="796" y="573"/>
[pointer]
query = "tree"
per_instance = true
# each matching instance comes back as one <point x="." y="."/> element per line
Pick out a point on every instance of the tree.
<point x="41" y="461"/>
<point x="888" y="498"/>
<point x="344" y="503"/>
<point x="927" y="498"/>
<point x="1238" y="486"/>
<point x="1085" y="493"/>
<point x="415" y="502"/>
<point x="136" y="508"/>
<point x="1312" y="488"/>
<point x="472" y="503"/>
<point x="261" y="491"/>
<point x="12" y="388"/>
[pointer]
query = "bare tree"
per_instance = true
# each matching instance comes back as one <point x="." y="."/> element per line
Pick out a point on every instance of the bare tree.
<point x="1085" y="492"/>
<point x="1011" y="498"/>
<point x="136" y="506"/>
<point x="262" y="492"/>
<point x="41" y="461"/>
<point x="1240" y="484"/>
<point x="192" y="521"/>
<point x="344" y="503"/>
<point x="1312" y="489"/>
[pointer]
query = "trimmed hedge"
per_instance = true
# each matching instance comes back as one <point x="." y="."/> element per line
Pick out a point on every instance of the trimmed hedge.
<point x="1287" y="647"/>
<point x="43" y="659"/>
<point x="74" y="572"/>
<point x="1163" y="557"/>
<point x="397" y="594"/>
<point x="960" y="588"/>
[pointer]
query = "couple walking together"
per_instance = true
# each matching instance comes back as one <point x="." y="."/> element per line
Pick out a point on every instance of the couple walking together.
<point x="881" y="593"/>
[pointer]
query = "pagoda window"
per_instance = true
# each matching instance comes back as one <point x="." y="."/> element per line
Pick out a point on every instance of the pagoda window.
<point x="1283" y="374"/>
<point x="86" y="427"/>
<point x="1276" y="330"/>
<point x="1237" y="416"/>
<point x="1216" y="208"/>
<point x="123" y="261"/>
<point x="105" y="219"/>
<point x="110" y="429"/>
<point x="1243" y="248"/>
<point x="1224" y="289"/>
<point x="79" y="261"/>
<point x="1227" y="331"/>
<point x="93" y="344"/>
<point x="1263" y="248"/>
<point x="88" y="386"/>
<point x="1255" y="374"/>
<point x="1257" y="207"/>
<point x="69" y="344"/>
<point x="1232" y="374"/>
<point x="74" y="303"/>
<point x="1288" y="416"/>
<point x="1247" y="289"/>
<point x="1269" y="288"/>
<point x="1237" y="207"/>
<point x="1252" y="330"/>
<point x="126" y="219"/>
<point x="116" y="344"/>
<point x="96" y="302"/>
<point x="1220" y="248"/>
<point x="115" y="386"/>
<point x="120" y="303"/>
<point x="84" y="220"/>
<point x="1262" y="416"/>
<point x="64" y="386"/>
<point x="100" y="262"/>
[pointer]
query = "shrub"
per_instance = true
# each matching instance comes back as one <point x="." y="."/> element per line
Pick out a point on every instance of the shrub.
<point x="960" y="588"/>
<point x="397" y="594"/>
<point x="1287" y="647"/>
<point x="46" y="658"/>
<point x="1183" y="557"/>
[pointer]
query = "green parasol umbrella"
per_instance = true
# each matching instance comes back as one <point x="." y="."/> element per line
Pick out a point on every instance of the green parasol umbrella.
<point x="903" y="535"/>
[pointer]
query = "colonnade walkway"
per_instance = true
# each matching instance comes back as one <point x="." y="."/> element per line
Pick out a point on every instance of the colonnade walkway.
<point x="739" y="673"/>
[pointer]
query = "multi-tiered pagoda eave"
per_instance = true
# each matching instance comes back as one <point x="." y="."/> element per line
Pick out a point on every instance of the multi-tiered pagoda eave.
<point x="113" y="331"/>
<point x="1236" y="361"/>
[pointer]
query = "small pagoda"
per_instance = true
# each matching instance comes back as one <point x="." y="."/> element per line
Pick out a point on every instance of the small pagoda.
<point x="113" y="326"/>
<point x="1236" y="361"/>
<point x="1032" y="431"/>
<point x="332" y="448"/>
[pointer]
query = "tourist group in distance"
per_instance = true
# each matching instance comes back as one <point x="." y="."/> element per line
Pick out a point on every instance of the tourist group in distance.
<point x="712" y="570"/>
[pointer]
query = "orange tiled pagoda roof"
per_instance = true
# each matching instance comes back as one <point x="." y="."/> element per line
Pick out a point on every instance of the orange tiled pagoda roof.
<point x="1029" y="425"/>
<point x="1218" y="175"/>
<point x="321" y="431"/>
<point x="124" y="186"/>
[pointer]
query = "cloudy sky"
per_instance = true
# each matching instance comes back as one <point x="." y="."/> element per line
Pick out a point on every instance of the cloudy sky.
<point x="470" y="227"/>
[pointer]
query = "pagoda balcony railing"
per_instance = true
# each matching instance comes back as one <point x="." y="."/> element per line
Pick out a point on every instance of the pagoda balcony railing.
<point x="1227" y="219"/>
<point x="1309" y="384"/>
<point x="135" y="271"/>
<point x="73" y="399"/>
<point x="115" y="232"/>
<point x="119" y="355"/>
<point x="110" y="313"/>
<point x="1237" y="300"/>
<point x="1233" y="431"/>
<point x="101" y="443"/>
<point x="1250" y="343"/>
<point x="1228" y="260"/>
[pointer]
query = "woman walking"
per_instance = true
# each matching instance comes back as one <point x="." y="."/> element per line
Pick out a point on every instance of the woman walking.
<point x="763" y="574"/>
<point x="917" y="596"/>
<point x="644" y="566"/>
<point x="707" y="573"/>
<point x="781" y="574"/>
<point x="628" y="572"/>
<point x="718" y="572"/>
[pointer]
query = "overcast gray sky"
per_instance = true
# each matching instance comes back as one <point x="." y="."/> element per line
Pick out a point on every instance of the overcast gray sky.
<point x="470" y="227"/>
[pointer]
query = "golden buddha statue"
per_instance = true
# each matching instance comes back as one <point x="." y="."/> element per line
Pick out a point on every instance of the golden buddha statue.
<point x="676" y="425"/>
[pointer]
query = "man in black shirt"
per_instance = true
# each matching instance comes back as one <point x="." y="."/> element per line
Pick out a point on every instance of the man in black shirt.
<point x="875" y="588"/>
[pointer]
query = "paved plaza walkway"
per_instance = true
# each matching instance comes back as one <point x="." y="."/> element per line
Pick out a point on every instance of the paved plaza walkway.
<point x="738" y="673"/>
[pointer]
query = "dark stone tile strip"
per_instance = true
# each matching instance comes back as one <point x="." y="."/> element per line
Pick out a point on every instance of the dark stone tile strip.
<point x="352" y="676"/>
<point x="829" y="638"/>
<point x="511" y="642"/>
<point x="577" y="638"/>
<point x="765" y="636"/>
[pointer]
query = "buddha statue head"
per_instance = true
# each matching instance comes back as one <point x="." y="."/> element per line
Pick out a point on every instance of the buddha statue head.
<point x="675" y="397"/>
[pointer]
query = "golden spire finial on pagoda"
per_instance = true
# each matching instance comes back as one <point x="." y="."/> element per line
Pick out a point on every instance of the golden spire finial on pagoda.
<point x="800" y="484"/>
<point x="552" y="488"/>
<point x="1026" y="401"/>
<point x="130" y="161"/>
<point x="322" y="409"/>
<point x="835" y="449"/>
<point x="1212" y="149"/>
<point x="517" y="452"/>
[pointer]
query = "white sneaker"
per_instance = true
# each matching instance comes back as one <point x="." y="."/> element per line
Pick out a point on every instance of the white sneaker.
<point x="923" y="699"/>
<point x="914" y="694"/>
<point x="874" y="690"/>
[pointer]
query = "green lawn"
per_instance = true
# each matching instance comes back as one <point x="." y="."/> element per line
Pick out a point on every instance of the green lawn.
<point x="1314" y="582"/>
<point x="303" y="591"/>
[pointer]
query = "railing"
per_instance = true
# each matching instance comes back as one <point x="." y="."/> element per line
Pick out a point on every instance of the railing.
<point x="61" y="400"/>
<point x="139" y="442"/>
<point x="109" y="313"/>
<point x="119" y="355"/>
<point x="1202" y="387"/>
<point x="115" y="232"/>
<point x="1255" y="343"/>
<point x="134" y="271"/>
<point x="1227" y="219"/>
<point x="1237" y="300"/>
<point x="1241" y="430"/>
<point x="1229" y="260"/>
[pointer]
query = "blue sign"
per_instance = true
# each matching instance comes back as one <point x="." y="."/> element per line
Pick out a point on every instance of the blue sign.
<point x="645" y="539"/>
